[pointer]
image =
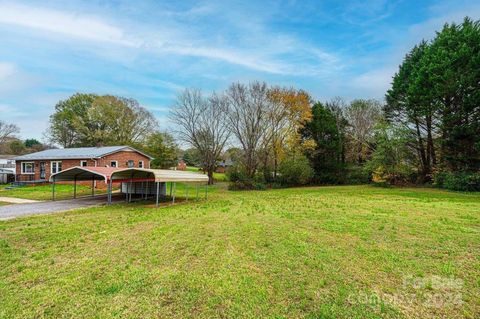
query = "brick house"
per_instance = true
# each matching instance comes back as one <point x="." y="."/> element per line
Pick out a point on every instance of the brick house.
<point x="40" y="165"/>
<point x="181" y="166"/>
<point x="222" y="166"/>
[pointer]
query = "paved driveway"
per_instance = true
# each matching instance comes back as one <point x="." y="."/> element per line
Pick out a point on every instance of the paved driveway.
<point x="18" y="210"/>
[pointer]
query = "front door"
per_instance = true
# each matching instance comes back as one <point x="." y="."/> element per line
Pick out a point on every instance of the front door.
<point x="42" y="170"/>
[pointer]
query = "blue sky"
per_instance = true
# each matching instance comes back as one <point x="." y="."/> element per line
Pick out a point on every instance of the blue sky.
<point x="149" y="50"/>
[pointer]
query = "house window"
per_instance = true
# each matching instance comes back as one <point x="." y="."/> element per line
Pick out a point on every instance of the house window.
<point x="140" y="164"/>
<point x="113" y="164"/>
<point x="56" y="167"/>
<point x="83" y="163"/>
<point x="28" y="168"/>
<point x="131" y="163"/>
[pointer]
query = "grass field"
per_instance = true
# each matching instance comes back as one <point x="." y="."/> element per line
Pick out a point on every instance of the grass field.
<point x="44" y="192"/>
<point x="219" y="177"/>
<point x="327" y="252"/>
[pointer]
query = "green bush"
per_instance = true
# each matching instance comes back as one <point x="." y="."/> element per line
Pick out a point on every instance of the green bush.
<point x="356" y="174"/>
<point x="240" y="181"/>
<point x="246" y="185"/>
<point x="458" y="181"/>
<point x="236" y="174"/>
<point x="294" y="172"/>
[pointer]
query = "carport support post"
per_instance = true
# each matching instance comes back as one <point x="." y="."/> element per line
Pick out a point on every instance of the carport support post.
<point x="158" y="191"/>
<point x="186" y="192"/>
<point x="130" y="192"/>
<point x="75" y="186"/>
<point x="109" y="194"/>
<point x="173" y="197"/>
<point x="53" y="189"/>
<point x="93" y="186"/>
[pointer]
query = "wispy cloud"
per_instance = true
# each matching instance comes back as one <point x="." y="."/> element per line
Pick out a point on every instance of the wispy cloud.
<point x="6" y="70"/>
<point x="149" y="50"/>
<point x="79" y="26"/>
<point x="12" y="79"/>
<point x="262" y="56"/>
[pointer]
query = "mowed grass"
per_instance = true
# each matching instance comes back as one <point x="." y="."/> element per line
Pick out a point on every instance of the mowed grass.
<point x="44" y="192"/>
<point x="326" y="252"/>
<point x="219" y="177"/>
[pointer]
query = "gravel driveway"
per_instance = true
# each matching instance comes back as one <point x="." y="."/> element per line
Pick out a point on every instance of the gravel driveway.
<point x="18" y="210"/>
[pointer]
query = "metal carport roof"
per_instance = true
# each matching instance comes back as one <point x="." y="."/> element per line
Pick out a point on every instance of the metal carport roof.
<point x="84" y="174"/>
<point x="123" y="174"/>
<point x="159" y="175"/>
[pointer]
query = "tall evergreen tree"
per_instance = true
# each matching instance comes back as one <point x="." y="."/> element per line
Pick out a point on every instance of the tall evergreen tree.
<point x="326" y="156"/>
<point x="436" y="95"/>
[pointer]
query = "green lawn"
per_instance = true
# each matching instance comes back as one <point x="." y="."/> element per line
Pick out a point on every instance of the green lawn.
<point x="326" y="252"/>
<point x="44" y="192"/>
<point x="219" y="177"/>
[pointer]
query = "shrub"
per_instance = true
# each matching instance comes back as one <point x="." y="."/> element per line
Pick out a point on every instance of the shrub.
<point x="458" y="181"/>
<point x="295" y="172"/>
<point x="356" y="174"/>
<point x="246" y="185"/>
<point x="240" y="181"/>
<point x="236" y="174"/>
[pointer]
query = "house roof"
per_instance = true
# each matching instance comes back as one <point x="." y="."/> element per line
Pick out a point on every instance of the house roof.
<point x="4" y="156"/>
<point x="76" y="153"/>
<point x="225" y="163"/>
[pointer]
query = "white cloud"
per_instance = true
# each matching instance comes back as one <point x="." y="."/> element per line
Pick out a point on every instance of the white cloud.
<point x="13" y="79"/>
<point x="267" y="53"/>
<point x="74" y="25"/>
<point x="6" y="70"/>
<point x="426" y="30"/>
<point x="374" y="83"/>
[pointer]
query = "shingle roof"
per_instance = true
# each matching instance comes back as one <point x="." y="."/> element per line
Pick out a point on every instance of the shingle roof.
<point x="74" y="153"/>
<point x="4" y="156"/>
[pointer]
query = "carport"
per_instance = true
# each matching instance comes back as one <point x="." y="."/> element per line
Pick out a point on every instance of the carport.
<point x="139" y="181"/>
<point x="6" y="175"/>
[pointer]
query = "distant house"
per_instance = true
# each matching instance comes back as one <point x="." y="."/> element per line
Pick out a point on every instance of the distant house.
<point x="40" y="165"/>
<point x="222" y="166"/>
<point x="181" y="166"/>
<point x="7" y="168"/>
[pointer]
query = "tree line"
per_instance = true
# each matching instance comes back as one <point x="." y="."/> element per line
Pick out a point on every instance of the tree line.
<point x="435" y="102"/>
<point x="427" y="130"/>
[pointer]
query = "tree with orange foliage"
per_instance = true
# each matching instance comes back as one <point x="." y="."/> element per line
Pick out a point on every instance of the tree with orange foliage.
<point x="289" y="111"/>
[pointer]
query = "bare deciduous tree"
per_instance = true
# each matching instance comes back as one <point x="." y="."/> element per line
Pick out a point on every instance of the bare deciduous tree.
<point x="247" y="118"/>
<point x="7" y="131"/>
<point x="201" y="124"/>
<point x="338" y="107"/>
<point x="278" y="123"/>
<point x="362" y="115"/>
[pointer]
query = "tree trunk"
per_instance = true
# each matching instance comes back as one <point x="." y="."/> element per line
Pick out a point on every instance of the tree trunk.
<point x="430" y="146"/>
<point x="421" y="149"/>
<point x="275" y="168"/>
<point x="360" y="150"/>
<point x="210" y="176"/>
